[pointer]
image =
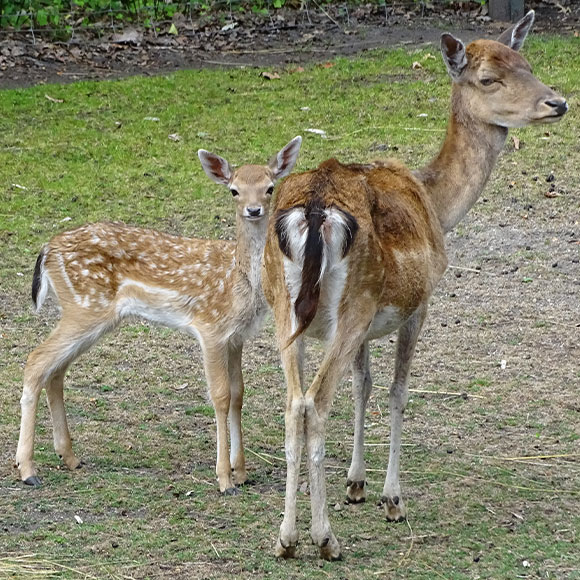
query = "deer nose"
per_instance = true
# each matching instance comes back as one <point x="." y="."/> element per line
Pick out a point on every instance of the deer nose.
<point x="559" y="105"/>
<point x="254" y="211"/>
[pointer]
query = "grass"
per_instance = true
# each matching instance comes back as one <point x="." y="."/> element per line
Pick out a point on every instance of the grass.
<point x="491" y="481"/>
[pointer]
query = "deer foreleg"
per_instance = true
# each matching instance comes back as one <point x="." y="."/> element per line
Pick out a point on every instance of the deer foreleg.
<point x="237" y="458"/>
<point x="407" y="340"/>
<point x="361" y="389"/>
<point x="217" y="375"/>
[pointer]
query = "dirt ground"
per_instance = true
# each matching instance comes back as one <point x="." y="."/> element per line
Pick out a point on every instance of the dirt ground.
<point x="251" y="40"/>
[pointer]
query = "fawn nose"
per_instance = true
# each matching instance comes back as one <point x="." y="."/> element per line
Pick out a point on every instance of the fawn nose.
<point x="559" y="105"/>
<point x="254" y="211"/>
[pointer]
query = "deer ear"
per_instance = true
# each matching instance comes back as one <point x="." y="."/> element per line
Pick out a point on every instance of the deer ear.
<point x="215" y="167"/>
<point x="515" y="35"/>
<point x="453" y="51"/>
<point x="283" y="162"/>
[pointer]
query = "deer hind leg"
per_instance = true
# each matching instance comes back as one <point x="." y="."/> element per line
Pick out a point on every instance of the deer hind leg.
<point x="347" y="342"/>
<point x="361" y="388"/>
<point x="218" y="375"/>
<point x="292" y="362"/>
<point x="45" y="368"/>
<point x="237" y="458"/>
<point x="60" y="430"/>
<point x="391" y="499"/>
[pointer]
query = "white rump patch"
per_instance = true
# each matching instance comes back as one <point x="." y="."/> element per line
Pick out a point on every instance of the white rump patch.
<point x="45" y="283"/>
<point x="333" y="271"/>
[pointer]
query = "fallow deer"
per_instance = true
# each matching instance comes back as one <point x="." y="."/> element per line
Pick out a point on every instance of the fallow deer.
<point x="103" y="273"/>
<point x="355" y="251"/>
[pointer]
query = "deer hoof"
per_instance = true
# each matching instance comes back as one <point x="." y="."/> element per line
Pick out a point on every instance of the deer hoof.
<point x="285" y="552"/>
<point x="330" y="549"/>
<point x="33" y="480"/>
<point x="231" y="491"/>
<point x="355" y="491"/>
<point x="395" y="510"/>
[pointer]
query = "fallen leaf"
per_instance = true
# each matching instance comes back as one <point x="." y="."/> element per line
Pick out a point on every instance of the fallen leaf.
<point x="151" y="119"/>
<point x="78" y="519"/>
<point x="174" y="137"/>
<point x="229" y="26"/>
<point x="516" y="143"/>
<point x="173" y="29"/>
<point x="327" y="65"/>
<point x="417" y="65"/>
<point x="551" y="194"/>
<point x="53" y="100"/>
<point x="317" y="132"/>
<point x="270" y="75"/>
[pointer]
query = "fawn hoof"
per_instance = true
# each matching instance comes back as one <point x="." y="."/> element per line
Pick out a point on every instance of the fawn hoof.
<point x="330" y="549"/>
<point x="231" y="491"/>
<point x="71" y="461"/>
<point x="355" y="491"/>
<point x="283" y="551"/>
<point x="33" y="480"/>
<point x="240" y="477"/>
<point x="395" y="510"/>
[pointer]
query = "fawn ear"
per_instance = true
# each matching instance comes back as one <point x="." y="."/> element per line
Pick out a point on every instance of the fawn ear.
<point x="283" y="162"/>
<point x="453" y="52"/>
<point x="515" y="35"/>
<point x="215" y="167"/>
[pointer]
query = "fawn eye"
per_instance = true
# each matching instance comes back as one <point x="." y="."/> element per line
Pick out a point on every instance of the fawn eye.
<point x="270" y="190"/>
<point x="487" y="82"/>
<point x="235" y="192"/>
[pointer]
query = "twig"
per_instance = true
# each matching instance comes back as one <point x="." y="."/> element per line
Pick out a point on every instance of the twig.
<point x="526" y="457"/>
<point x="410" y="547"/>
<point x="259" y="455"/>
<point x="326" y="13"/>
<point x="443" y="393"/>
<point x="465" y="269"/>
<point x="215" y="550"/>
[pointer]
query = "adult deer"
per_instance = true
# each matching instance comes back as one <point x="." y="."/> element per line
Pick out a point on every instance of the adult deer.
<point x="355" y="251"/>
<point x="102" y="273"/>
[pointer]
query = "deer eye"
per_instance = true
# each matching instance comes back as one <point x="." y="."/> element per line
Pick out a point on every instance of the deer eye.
<point x="487" y="82"/>
<point x="235" y="192"/>
<point x="270" y="190"/>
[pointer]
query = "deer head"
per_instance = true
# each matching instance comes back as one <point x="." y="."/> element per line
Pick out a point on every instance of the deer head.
<point x="497" y="82"/>
<point x="250" y="185"/>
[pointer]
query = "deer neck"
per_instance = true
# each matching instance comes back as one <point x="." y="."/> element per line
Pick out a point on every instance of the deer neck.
<point x="457" y="176"/>
<point x="251" y="240"/>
